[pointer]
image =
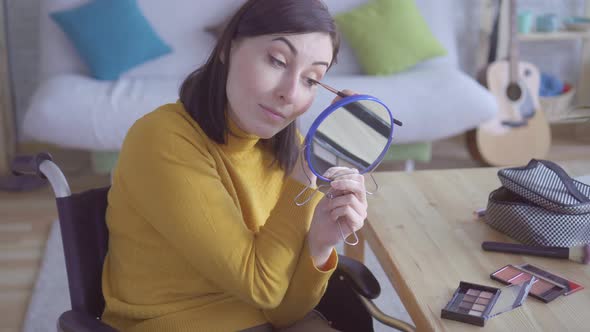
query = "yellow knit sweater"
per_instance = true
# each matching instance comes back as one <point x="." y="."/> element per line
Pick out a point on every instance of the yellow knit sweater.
<point x="203" y="236"/>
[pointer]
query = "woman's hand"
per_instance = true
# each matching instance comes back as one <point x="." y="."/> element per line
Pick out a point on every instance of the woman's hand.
<point x="346" y="92"/>
<point x="345" y="203"/>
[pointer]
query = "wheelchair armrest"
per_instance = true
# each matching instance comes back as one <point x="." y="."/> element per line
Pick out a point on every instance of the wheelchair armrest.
<point x="361" y="279"/>
<point x="71" y="321"/>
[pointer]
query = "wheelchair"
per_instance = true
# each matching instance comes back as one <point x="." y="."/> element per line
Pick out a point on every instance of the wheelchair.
<point x="347" y="303"/>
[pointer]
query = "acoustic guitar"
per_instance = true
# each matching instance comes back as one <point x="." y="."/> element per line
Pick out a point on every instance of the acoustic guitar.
<point x="519" y="131"/>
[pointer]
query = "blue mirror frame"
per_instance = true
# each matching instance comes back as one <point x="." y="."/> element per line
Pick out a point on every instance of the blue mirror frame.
<point x="331" y="109"/>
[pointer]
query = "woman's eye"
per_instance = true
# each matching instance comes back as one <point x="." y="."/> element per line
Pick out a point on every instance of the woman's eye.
<point x="277" y="62"/>
<point x="309" y="82"/>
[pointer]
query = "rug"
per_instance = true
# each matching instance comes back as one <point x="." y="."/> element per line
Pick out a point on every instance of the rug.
<point x="51" y="296"/>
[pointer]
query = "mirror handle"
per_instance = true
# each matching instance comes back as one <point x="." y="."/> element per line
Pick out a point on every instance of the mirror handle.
<point x="356" y="238"/>
<point x="298" y="203"/>
<point x="376" y="185"/>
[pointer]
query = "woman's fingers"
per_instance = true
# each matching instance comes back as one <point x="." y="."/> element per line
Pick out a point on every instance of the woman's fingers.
<point x="349" y="215"/>
<point x="350" y="184"/>
<point x="349" y="200"/>
<point x="355" y="184"/>
<point x="347" y="92"/>
<point x="346" y="180"/>
<point x="337" y="171"/>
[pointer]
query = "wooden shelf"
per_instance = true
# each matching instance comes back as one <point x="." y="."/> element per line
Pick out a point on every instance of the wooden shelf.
<point x="578" y="114"/>
<point x="572" y="119"/>
<point x="558" y="35"/>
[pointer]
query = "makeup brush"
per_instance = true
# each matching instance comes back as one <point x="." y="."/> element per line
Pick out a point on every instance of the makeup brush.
<point x="580" y="254"/>
<point x="329" y="88"/>
<point x="342" y="94"/>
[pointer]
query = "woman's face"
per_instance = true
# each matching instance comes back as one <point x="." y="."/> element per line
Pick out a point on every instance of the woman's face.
<point x="267" y="85"/>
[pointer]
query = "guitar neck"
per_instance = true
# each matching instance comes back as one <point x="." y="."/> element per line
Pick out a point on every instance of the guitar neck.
<point x="513" y="54"/>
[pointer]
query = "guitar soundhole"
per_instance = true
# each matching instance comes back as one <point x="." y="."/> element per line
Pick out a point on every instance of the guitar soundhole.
<point x="513" y="92"/>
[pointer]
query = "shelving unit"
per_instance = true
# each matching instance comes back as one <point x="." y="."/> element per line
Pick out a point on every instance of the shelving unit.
<point x="583" y="36"/>
<point x="558" y="35"/>
<point x="582" y="92"/>
<point x="583" y="86"/>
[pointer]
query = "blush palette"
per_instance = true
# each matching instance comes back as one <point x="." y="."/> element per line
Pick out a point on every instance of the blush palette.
<point x="543" y="289"/>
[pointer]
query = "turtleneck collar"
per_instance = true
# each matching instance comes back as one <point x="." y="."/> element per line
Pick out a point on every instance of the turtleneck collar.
<point x="237" y="139"/>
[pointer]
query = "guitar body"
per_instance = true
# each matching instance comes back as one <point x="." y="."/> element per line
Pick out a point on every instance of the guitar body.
<point x="520" y="130"/>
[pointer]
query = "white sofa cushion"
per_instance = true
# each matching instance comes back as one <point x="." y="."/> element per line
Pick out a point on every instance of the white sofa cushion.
<point x="76" y="111"/>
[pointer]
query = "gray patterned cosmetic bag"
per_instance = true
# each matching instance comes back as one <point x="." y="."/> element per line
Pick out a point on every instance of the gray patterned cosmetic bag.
<point x="540" y="204"/>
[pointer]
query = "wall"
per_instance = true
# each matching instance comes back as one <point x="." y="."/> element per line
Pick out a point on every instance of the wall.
<point x="23" y="38"/>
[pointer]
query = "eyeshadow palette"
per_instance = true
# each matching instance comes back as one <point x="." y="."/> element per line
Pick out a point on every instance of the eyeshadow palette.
<point x="543" y="289"/>
<point x="471" y="303"/>
<point x="474" y="304"/>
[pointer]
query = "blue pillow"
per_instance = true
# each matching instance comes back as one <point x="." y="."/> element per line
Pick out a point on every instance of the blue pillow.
<point x="111" y="36"/>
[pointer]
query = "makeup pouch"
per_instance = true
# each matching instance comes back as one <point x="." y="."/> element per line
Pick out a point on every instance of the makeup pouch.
<point x="540" y="204"/>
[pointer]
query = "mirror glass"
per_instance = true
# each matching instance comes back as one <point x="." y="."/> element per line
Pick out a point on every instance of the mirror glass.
<point x="354" y="132"/>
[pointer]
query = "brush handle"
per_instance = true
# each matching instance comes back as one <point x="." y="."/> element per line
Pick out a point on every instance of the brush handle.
<point x="515" y="248"/>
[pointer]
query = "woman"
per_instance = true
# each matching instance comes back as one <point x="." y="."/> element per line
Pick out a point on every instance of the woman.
<point x="204" y="232"/>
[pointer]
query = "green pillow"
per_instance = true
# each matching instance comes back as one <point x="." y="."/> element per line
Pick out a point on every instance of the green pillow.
<point x="388" y="36"/>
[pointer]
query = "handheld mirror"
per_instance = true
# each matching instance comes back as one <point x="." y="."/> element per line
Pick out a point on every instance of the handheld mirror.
<point x="354" y="132"/>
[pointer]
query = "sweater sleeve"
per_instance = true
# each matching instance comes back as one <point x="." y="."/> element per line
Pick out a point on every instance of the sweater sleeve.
<point x="305" y="291"/>
<point x="307" y="285"/>
<point x="171" y="180"/>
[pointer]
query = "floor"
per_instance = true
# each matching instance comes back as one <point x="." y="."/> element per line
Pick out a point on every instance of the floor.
<point x="24" y="225"/>
<point x="25" y="217"/>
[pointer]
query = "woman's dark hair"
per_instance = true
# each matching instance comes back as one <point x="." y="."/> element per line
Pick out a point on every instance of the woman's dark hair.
<point x="203" y="92"/>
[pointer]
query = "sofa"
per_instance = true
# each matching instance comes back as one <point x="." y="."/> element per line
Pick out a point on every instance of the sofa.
<point x="435" y="99"/>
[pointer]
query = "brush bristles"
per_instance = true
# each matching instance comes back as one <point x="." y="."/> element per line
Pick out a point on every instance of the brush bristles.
<point x="580" y="254"/>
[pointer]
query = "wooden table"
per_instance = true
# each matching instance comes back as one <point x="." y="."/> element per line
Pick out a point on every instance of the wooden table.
<point x="422" y="229"/>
